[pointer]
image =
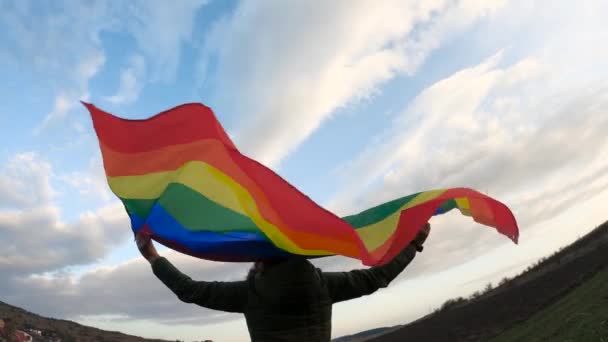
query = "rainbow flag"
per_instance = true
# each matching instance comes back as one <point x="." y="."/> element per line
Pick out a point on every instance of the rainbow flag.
<point x="184" y="183"/>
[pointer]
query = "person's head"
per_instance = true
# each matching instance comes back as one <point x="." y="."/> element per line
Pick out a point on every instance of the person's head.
<point x="260" y="266"/>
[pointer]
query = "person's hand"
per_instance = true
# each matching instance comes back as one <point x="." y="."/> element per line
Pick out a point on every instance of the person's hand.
<point x="421" y="237"/>
<point x="146" y="248"/>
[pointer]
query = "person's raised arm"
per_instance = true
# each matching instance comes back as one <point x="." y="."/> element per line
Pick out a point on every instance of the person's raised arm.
<point x="348" y="285"/>
<point x="223" y="296"/>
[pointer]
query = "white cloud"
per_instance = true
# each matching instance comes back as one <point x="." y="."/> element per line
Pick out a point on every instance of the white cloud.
<point x="497" y="128"/>
<point x="524" y="132"/>
<point x="89" y="183"/>
<point x="117" y="291"/>
<point x="61" y="43"/>
<point x="66" y="33"/>
<point x="520" y="131"/>
<point x="52" y="39"/>
<point x="41" y="242"/>
<point x="39" y="239"/>
<point x="469" y="133"/>
<point x="69" y="98"/>
<point x="25" y="182"/>
<point x="291" y="65"/>
<point x="160" y="28"/>
<point x="131" y="79"/>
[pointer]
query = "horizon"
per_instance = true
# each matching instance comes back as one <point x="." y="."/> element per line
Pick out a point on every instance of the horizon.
<point x="354" y="104"/>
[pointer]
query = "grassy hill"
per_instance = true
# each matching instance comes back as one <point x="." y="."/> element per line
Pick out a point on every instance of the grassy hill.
<point x="66" y="330"/>
<point x="581" y="316"/>
<point x="365" y="335"/>
<point x="561" y="298"/>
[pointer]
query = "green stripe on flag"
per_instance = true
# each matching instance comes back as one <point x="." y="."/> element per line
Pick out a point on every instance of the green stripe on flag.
<point x="193" y="211"/>
<point x="138" y="207"/>
<point x="378" y="213"/>
<point x="196" y="212"/>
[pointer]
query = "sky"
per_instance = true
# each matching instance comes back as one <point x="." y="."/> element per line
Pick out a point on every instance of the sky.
<point x="353" y="102"/>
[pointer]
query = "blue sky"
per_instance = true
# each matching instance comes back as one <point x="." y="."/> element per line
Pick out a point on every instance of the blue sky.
<point x="355" y="103"/>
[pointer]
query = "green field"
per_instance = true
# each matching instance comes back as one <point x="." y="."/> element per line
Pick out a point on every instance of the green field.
<point x="581" y="316"/>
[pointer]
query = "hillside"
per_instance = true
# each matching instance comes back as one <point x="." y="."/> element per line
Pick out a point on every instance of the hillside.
<point x="63" y="329"/>
<point x="365" y="335"/>
<point x="555" y="298"/>
<point x="582" y="317"/>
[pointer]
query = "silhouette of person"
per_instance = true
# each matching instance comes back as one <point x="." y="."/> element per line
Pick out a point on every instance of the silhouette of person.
<point x="286" y="299"/>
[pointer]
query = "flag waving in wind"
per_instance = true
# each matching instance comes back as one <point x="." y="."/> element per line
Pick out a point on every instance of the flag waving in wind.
<point x="184" y="183"/>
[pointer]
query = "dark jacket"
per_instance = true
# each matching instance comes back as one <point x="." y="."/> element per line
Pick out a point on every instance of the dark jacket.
<point x="290" y="301"/>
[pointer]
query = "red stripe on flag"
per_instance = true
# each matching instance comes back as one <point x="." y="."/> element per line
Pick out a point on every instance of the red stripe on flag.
<point x="192" y="121"/>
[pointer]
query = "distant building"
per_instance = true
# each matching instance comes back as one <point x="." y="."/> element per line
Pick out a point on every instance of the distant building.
<point x="22" y="336"/>
<point x="34" y="332"/>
